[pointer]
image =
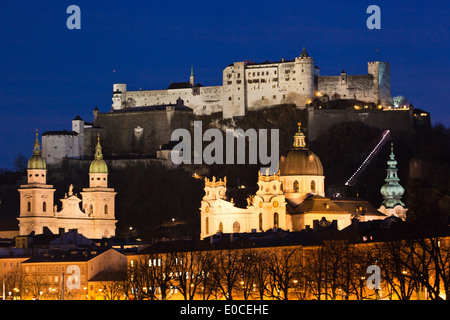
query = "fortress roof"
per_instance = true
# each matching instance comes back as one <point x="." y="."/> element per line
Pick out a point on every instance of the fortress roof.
<point x="60" y="133"/>
<point x="183" y="85"/>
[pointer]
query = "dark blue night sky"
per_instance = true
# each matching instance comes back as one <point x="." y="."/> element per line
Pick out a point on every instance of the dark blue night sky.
<point x="49" y="73"/>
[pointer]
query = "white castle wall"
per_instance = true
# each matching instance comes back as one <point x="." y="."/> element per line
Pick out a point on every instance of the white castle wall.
<point x="249" y="86"/>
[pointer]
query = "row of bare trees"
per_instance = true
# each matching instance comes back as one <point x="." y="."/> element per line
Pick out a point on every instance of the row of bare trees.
<point x="412" y="268"/>
<point x="337" y="269"/>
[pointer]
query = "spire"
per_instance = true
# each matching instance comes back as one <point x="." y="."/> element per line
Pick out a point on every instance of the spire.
<point x="392" y="191"/>
<point x="299" y="138"/>
<point x="192" y="70"/>
<point x="304" y="54"/>
<point x="98" y="149"/>
<point x="36" y="161"/>
<point x="98" y="165"/>
<point x="37" y="146"/>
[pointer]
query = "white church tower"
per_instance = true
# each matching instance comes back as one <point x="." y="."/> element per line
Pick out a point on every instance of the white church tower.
<point x="98" y="199"/>
<point x="95" y="219"/>
<point x="36" y="197"/>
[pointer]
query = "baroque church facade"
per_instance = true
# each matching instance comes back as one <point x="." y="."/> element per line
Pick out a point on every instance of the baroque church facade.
<point x="93" y="215"/>
<point x="247" y="86"/>
<point x="294" y="199"/>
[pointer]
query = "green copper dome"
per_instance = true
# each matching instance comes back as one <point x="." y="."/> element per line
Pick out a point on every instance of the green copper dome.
<point x="36" y="161"/>
<point x="98" y="165"/>
<point x="392" y="191"/>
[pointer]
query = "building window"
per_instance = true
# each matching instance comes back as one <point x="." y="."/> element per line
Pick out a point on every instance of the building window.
<point x="220" y="227"/>
<point x="106" y="209"/>
<point x="44" y="206"/>
<point x="207" y="225"/>
<point x="260" y="222"/>
<point x="236" y="227"/>
<point x="313" y="186"/>
<point x="28" y="206"/>
<point x="275" y="220"/>
<point x="295" y="186"/>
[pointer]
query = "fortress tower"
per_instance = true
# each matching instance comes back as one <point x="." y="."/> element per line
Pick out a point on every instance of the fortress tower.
<point x="304" y="70"/>
<point x="381" y="73"/>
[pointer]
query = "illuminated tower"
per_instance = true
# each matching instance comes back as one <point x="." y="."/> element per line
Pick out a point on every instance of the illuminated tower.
<point x="98" y="199"/>
<point x="392" y="191"/>
<point x="36" y="197"/>
<point x="269" y="202"/>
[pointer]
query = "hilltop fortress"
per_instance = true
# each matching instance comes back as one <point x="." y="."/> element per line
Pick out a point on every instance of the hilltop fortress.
<point x="140" y="123"/>
<point x="251" y="86"/>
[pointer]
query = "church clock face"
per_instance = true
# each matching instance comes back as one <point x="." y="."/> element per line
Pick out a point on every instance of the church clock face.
<point x="275" y="204"/>
<point x="207" y="209"/>
<point x="260" y="204"/>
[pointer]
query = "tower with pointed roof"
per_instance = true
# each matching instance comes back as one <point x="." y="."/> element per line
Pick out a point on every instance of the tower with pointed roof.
<point x="392" y="191"/>
<point x="94" y="219"/>
<point x="36" y="197"/>
<point x="98" y="201"/>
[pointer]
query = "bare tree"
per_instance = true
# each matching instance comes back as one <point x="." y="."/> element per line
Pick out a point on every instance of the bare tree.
<point x="187" y="269"/>
<point x="316" y="270"/>
<point x="284" y="265"/>
<point x="112" y="284"/>
<point x="35" y="284"/>
<point x="224" y="268"/>
<point x="261" y="272"/>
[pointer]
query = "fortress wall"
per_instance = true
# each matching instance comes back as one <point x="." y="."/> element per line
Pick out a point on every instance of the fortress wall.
<point x="360" y="87"/>
<point x="119" y="137"/>
<point x="400" y="122"/>
<point x="207" y="101"/>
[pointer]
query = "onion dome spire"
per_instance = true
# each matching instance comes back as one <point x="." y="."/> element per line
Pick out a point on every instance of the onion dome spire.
<point x="36" y="161"/>
<point x="98" y="165"/>
<point x="392" y="191"/>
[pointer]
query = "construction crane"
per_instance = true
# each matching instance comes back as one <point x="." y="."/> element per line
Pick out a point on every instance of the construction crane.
<point x="354" y="178"/>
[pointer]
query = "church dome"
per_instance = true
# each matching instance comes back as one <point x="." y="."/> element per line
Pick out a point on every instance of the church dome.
<point x="36" y="161"/>
<point x="300" y="160"/>
<point x="98" y="165"/>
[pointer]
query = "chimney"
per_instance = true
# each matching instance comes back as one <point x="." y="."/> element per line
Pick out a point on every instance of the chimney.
<point x="355" y="223"/>
<point x="315" y="225"/>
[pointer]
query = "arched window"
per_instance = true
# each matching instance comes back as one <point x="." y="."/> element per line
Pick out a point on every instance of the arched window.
<point x="28" y="206"/>
<point x="207" y="225"/>
<point x="44" y="206"/>
<point x="260" y="222"/>
<point x="220" y="227"/>
<point x="106" y="209"/>
<point x="236" y="227"/>
<point x="91" y="209"/>
<point x="295" y="186"/>
<point x="275" y="220"/>
<point x="313" y="186"/>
